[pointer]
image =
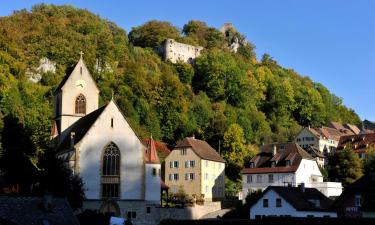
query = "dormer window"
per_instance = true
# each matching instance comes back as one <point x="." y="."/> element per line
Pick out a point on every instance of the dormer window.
<point x="273" y="164"/>
<point x="287" y="162"/>
<point x="252" y="165"/>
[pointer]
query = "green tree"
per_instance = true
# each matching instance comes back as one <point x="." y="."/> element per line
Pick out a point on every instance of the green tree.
<point x="153" y="33"/>
<point x="345" y="166"/>
<point x="369" y="162"/>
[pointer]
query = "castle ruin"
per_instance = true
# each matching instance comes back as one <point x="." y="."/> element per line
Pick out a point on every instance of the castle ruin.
<point x="175" y="51"/>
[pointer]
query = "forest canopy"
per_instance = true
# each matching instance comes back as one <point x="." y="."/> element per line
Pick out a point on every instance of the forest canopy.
<point x="220" y="91"/>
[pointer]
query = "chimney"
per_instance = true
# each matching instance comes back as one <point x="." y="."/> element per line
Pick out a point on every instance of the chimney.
<point x="302" y="187"/>
<point x="274" y="150"/>
<point x="72" y="134"/>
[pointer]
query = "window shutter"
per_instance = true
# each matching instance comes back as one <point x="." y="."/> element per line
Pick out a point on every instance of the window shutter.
<point x="170" y="164"/>
<point x="170" y="176"/>
<point x="186" y="164"/>
<point x="186" y="176"/>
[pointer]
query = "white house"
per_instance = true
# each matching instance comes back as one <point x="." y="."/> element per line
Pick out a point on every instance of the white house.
<point x="121" y="176"/>
<point x="292" y="202"/>
<point x="285" y="164"/>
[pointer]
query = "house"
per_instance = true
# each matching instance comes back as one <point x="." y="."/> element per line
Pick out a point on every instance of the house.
<point x="345" y="129"/>
<point x="358" y="143"/>
<point x="197" y="168"/>
<point x="292" y="202"/>
<point x="36" y="210"/>
<point x="325" y="139"/>
<point x="121" y="175"/>
<point x="368" y="126"/>
<point x="285" y="164"/>
<point x="358" y="199"/>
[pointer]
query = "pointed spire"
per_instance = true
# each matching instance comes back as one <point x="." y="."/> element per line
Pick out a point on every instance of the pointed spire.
<point x="151" y="153"/>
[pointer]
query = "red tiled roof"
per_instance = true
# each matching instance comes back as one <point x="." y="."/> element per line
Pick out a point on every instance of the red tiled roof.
<point x="357" y="142"/>
<point x="289" y="169"/>
<point x="201" y="148"/>
<point x="160" y="146"/>
<point x="151" y="154"/>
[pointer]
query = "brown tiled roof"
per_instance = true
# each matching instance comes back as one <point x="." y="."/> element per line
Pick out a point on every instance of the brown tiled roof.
<point x="353" y="128"/>
<point x="80" y="128"/>
<point x="331" y="132"/>
<point x="151" y="155"/>
<point x="201" y="148"/>
<point x="285" y="151"/>
<point x="300" y="199"/>
<point x="357" y="142"/>
<point x="29" y="210"/>
<point x="314" y="152"/>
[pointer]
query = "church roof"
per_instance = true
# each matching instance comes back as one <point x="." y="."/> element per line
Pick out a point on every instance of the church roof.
<point x="80" y="128"/>
<point x="151" y="155"/>
<point x="201" y="148"/>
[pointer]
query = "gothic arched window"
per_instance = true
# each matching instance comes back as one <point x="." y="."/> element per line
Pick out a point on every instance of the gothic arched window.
<point x="80" y="107"/>
<point x="111" y="171"/>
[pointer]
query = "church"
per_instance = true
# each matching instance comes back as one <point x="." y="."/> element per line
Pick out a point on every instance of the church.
<point x="121" y="175"/>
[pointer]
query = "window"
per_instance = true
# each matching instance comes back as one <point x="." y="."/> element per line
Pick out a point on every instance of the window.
<point x="287" y="162"/>
<point x="154" y="172"/>
<point x="183" y="151"/>
<point x="207" y="189"/>
<point x="111" y="171"/>
<point x="252" y="165"/>
<point x="265" y="203"/>
<point x="249" y="179"/>
<point x="148" y="210"/>
<point x="112" y="122"/>
<point x="259" y="178"/>
<point x="206" y="176"/>
<point x="278" y="202"/>
<point x="190" y="163"/>
<point x="191" y="176"/>
<point x="273" y="164"/>
<point x="358" y="201"/>
<point x="80" y="70"/>
<point x="132" y="215"/>
<point x="80" y="105"/>
<point x="206" y="162"/>
<point x="175" y="176"/>
<point x="173" y="164"/>
<point x="270" y="178"/>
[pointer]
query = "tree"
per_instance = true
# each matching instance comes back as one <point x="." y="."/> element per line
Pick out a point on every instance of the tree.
<point x="345" y="166"/>
<point x="235" y="152"/>
<point x="153" y="33"/>
<point x="369" y="162"/>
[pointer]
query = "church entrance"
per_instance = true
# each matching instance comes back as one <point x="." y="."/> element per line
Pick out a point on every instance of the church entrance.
<point x="110" y="208"/>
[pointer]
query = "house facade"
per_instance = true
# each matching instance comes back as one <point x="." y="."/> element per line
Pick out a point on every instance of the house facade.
<point x="285" y="164"/>
<point x="121" y="176"/>
<point x="358" y="199"/>
<point x="292" y="202"/>
<point x="194" y="166"/>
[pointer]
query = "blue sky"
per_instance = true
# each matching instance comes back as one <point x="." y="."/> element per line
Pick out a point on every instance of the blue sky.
<point x="333" y="42"/>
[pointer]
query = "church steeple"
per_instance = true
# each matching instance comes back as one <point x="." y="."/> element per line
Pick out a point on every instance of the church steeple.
<point x="76" y="96"/>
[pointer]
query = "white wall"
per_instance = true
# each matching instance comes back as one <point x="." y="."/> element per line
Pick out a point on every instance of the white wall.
<point x="286" y="209"/>
<point x="91" y="148"/>
<point x="152" y="189"/>
<point x="308" y="172"/>
<point x="70" y="91"/>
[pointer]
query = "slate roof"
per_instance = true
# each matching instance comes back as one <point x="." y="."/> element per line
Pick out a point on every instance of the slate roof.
<point x="30" y="211"/>
<point x="80" y="128"/>
<point x="284" y="152"/>
<point x="300" y="199"/>
<point x="201" y="148"/>
<point x="359" y="143"/>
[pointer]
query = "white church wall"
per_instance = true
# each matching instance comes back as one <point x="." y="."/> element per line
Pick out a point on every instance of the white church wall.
<point x="91" y="150"/>
<point x="152" y="188"/>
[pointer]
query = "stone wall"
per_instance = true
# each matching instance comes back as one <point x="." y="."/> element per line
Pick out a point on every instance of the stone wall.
<point x="175" y="51"/>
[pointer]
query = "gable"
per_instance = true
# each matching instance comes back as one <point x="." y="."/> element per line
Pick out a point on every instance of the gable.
<point x="80" y="72"/>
